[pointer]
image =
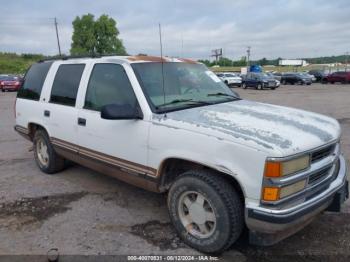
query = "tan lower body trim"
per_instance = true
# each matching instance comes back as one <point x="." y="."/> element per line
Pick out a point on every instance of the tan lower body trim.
<point x="107" y="164"/>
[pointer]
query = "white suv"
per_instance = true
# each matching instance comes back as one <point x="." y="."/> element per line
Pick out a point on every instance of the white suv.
<point x="171" y="125"/>
<point x="230" y="79"/>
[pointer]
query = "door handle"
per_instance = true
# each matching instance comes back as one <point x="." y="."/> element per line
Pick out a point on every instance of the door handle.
<point x="81" y="121"/>
<point x="47" y="113"/>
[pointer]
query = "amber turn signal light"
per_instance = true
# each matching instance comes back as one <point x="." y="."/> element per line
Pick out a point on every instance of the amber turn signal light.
<point x="272" y="169"/>
<point x="271" y="193"/>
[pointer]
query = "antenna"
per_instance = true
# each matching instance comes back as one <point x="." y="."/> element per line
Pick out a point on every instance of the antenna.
<point x="161" y="59"/>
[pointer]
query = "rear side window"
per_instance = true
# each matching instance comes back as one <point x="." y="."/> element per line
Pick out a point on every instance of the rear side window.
<point x="65" y="86"/>
<point x="33" y="81"/>
<point x="109" y="84"/>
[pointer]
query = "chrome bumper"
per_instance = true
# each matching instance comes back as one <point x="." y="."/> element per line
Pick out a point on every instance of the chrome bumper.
<point x="268" y="226"/>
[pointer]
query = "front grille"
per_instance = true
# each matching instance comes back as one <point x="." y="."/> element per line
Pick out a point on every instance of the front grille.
<point x="320" y="175"/>
<point x="322" y="153"/>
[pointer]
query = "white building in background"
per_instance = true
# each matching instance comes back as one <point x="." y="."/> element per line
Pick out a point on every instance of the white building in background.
<point x="292" y="62"/>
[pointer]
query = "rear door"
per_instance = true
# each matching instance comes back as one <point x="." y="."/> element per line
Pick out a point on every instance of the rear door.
<point x="60" y="112"/>
<point x="117" y="143"/>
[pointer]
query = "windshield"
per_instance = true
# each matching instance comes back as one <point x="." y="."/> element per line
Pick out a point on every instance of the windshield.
<point x="185" y="85"/>
<point x="230" y="75"/>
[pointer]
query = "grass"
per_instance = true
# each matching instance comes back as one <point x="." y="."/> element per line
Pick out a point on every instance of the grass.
<point x="11" y="63"/>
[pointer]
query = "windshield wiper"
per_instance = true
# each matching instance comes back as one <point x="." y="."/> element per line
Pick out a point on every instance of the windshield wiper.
<point x="223" y="94"/>
<point x="191" y="101"/>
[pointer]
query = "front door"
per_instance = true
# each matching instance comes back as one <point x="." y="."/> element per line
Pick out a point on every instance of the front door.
<point x="120" y="144"/>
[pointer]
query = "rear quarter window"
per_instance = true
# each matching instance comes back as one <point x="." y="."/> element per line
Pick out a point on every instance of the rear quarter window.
<point x="33" y="81"/>
<point x="65" y="86"/>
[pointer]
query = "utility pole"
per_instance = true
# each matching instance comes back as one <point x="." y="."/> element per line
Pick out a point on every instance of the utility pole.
<point x="217" y="53"/>
<point x="248" y="55"/>
<point x="58" y="39"/>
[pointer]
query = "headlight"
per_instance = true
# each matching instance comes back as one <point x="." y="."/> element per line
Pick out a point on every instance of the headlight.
<point x="292" y="189"/>
<point x="277" y="193"/>
<point x="284" y="168"/>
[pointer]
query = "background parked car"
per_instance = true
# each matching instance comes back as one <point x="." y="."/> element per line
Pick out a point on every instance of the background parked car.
<point x="10" y="83"/>
<point x="278" y="76"/>
<point x="318" y="74"/>
<point x="275" y="76"/>
<point x="312" y="77"/>
<point x="342" y="77"/>
<point x="230" y="79"/>
<point x="259" y="81"/>
<point x="295" y="78"/>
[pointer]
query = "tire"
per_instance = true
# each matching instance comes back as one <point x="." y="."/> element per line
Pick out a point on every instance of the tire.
<point x="300" y="83"/>
<point x="244" y="86"/>
<point x="284" y="82"/>
<point x="222" y="202"/>
<point x="273" y="88"/>
<point x="226" y="82"/>
<point x="48" y="162"/>
<point x="259" y="87"/>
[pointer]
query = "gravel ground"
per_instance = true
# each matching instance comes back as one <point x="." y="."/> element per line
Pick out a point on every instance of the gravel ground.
<point x="79" y="211"/>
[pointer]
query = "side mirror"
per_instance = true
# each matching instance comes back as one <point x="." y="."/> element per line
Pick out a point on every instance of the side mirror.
<point x="115" y="112"/>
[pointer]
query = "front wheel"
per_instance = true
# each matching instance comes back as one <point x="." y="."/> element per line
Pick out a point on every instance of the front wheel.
<point x="244" y="86"/>
<point x="45" y="156"/>
<point x="259" y="87"/>
<point x="206" y="211"/>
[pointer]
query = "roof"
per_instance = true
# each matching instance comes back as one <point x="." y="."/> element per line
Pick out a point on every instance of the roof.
<point x="128" y="59"/>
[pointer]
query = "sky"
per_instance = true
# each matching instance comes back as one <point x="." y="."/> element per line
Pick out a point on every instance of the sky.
<point x="190" y="28"/>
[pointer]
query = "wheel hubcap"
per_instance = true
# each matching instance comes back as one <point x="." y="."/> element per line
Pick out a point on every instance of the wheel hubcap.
<point x="42" y="153"/>
<point x="196" y="214"/>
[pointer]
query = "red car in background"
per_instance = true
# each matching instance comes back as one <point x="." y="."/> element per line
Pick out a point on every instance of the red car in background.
<point x="342" y="77"/>
<point x="10" y="83"/>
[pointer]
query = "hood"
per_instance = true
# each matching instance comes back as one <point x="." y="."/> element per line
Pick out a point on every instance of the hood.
<point x="278" y="130"/>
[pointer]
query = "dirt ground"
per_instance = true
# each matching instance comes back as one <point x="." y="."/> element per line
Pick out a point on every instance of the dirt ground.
<point x="79" y="211"/>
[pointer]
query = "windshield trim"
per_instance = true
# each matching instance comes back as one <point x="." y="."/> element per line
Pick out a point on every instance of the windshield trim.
<point x="180" y="107"/>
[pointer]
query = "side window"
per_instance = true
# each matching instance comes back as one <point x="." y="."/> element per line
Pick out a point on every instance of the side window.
<point x="108" y="84"/>
<point x="65" y="86"/>
<point x="33" y="81"/>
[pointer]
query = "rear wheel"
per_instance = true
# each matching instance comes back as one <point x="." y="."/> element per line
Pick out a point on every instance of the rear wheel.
<point x="206" y="211"/>
<point x="244" y="86"/>
<point x="284" y="82"/>
<point x="45" y="156"/>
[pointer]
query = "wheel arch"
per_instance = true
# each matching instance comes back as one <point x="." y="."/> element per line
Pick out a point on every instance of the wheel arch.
<point x="170" y="168"/>
<point x="33" y="127"/>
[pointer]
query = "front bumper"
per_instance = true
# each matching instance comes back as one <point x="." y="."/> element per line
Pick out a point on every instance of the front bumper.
<point x="268" y="226"/>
